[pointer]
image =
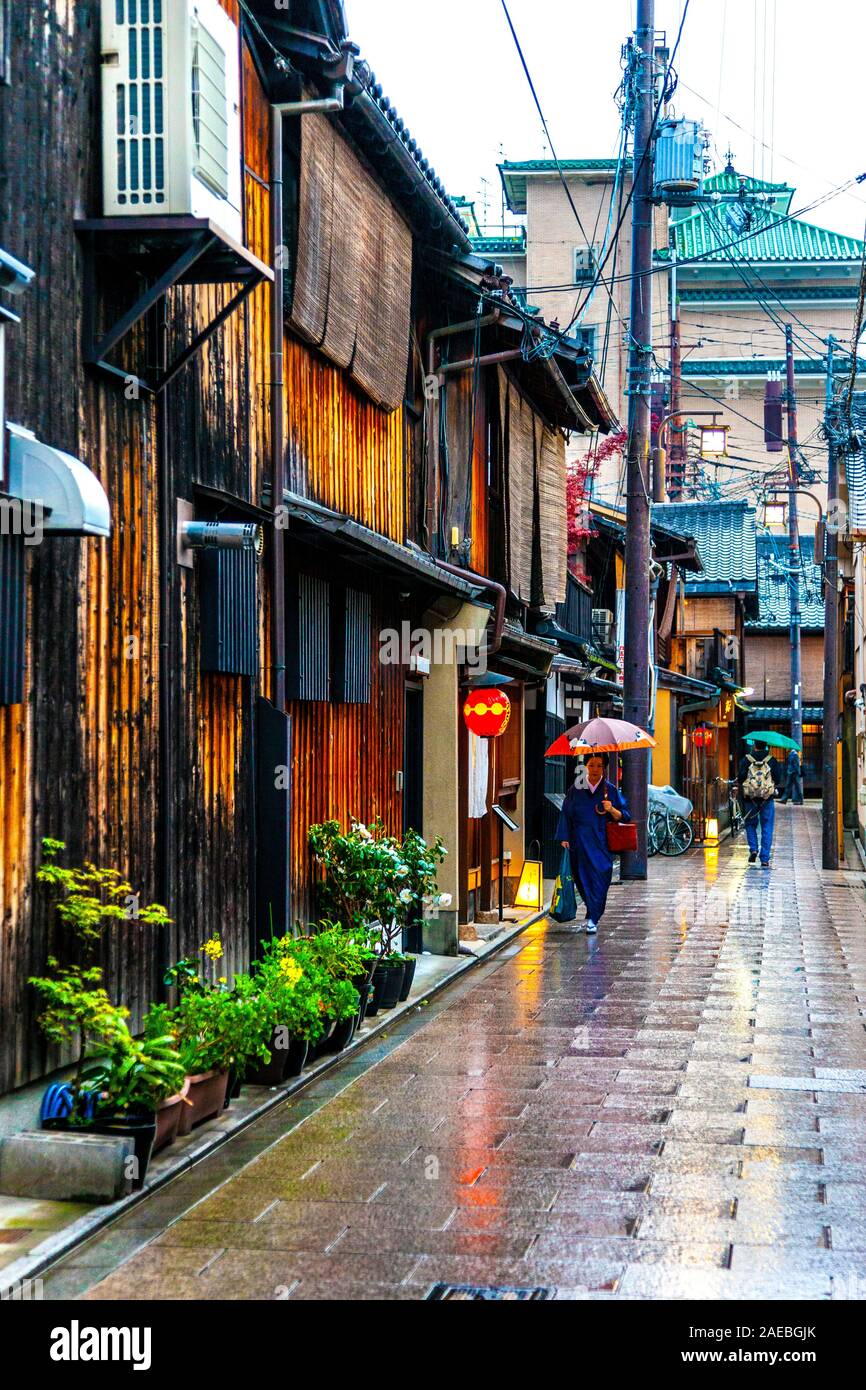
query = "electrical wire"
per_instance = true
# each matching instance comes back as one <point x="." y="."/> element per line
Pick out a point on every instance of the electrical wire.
<point x="665" y="94"/>
<point x="559" y="168"/>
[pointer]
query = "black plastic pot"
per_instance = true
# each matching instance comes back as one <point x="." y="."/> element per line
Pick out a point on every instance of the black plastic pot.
<point x="269" y="1073"/>
<point x="342" y="1035"/>
<point x="233" y="1089"/>
<point x="408" y="977"/>
<point x="390" y="973"/>
<point x="317" y="1048"/>
<point x="141" y="1129"/>
<point x="296" y="1057"/>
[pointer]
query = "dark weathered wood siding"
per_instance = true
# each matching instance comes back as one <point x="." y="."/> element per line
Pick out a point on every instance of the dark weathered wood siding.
<point x="79" y="757"/>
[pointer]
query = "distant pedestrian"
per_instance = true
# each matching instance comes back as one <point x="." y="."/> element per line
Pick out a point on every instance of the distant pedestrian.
<point x="589" y="806"/>
<point x="760" y="779"/>
<point x="793" y="779"/>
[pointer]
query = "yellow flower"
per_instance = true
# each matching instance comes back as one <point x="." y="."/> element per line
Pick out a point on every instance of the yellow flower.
<point x="290" y="971"/>
<point x="213" y="948"/>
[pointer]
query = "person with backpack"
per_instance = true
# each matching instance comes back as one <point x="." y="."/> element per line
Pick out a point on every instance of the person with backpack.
<point x="761" y="778"/>
<point x="793" y="780"/>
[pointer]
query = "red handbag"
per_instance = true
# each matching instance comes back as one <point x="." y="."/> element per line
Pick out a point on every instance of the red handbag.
<point x="621" y="836"/>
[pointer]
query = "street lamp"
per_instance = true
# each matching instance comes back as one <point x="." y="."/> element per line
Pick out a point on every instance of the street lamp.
<point x="660" y="455"/>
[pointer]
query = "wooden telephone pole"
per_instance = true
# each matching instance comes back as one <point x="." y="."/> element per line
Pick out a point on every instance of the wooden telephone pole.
<point x="829" y="793"/>
<point x="794" y="548"/>
<point x="637" y="539"/>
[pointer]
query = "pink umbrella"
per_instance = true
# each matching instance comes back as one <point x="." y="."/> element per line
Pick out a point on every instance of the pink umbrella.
<point x="600" y="736"/>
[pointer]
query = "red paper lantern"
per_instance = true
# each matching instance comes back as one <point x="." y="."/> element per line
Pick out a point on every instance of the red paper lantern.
<point x="703" y="738"/>
<point x="487" y="712"/>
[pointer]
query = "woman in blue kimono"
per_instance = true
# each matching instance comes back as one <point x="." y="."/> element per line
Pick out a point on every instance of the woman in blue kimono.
<point x="588" y="807"/>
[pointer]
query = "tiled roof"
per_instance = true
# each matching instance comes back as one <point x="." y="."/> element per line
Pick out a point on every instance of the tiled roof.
<point x="774" y="591"/>
<point x="855" y="470"/>
<point x="513" y="174"/>
<point x="499" y="245"/>
<point x="759" y="366"/>
<point x="729" y="181"/>
<point x="725" y="535"/>
<point x="774" y="239"/>
<point x="790" y="294"/>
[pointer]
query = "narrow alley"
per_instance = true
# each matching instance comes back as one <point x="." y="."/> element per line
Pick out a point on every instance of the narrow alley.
<point x="670" y="1110"/>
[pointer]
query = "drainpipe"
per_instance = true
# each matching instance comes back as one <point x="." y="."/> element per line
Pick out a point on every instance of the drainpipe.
<point x="165" y="947"/>
<point x="433" y="340"/>
<point x="278" y="549"/>
<point x="341" y="75"/>
<point x="498" y="589"/>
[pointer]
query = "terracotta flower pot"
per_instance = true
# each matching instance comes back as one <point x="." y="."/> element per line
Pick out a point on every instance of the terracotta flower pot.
<point x="168" y="1114"/>
<point x="205" y="1099"/>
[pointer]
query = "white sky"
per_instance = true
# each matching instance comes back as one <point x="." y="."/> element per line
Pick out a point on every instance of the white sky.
<point x="452" y="71"/>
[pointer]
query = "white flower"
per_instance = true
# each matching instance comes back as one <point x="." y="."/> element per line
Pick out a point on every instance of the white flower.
<point x="444" y="900"/>
<point x="401" y="870"/>
<point x="363" y="832"/>
<point x="406" y="895"/>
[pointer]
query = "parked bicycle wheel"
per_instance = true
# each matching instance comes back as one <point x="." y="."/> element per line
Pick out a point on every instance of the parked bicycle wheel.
<point x="679" y="836"/>
<point x="656" y="830"/>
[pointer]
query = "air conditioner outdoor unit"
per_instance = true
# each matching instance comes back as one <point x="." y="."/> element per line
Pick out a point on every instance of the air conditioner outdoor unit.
<point x="585" y="264"/>
<point x="171" y="111"/>
<point x="603" y="624"/>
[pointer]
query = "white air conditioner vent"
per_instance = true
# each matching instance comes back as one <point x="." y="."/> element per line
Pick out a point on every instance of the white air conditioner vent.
<point x="170" y="111"/>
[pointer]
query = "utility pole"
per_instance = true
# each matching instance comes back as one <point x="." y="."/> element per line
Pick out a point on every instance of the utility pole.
<point x="677" y="457"/>
<point x="637" y="538"/>
<point x="794" y="548"/>
<point x="829" y="795"/>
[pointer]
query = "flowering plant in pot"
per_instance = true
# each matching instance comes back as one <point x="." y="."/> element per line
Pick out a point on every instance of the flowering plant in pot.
<point x="361" y="873"/>
<point x="218" y="1031"/>
<point x="293" y="1007"/>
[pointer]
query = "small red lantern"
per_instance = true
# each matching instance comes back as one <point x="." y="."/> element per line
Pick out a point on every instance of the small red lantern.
<point x="703" y="737"/>
<point x="487" y="712"/>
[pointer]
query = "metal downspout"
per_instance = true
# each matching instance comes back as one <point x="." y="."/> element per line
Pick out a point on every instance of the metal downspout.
<point x="278" y="549"/>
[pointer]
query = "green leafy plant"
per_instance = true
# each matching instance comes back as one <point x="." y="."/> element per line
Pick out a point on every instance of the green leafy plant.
<point x="78" y="1013"/>
<point x="88" y="897"/>
<point x="138" y="1074"/>
<point x="223" y="1030"/>
<point x="362" y="873"/>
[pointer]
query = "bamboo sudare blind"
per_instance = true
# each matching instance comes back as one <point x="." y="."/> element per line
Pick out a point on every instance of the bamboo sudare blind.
<point x="354" y="266"/>
<point x="518" y="451"/>
<point x="550" y="481"/>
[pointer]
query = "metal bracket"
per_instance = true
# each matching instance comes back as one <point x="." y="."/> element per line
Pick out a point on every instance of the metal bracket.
<point x="196" y="263"/>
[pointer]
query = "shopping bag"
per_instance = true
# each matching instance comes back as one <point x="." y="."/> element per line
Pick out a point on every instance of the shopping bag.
<point x="564" y="905"/>
<point x="621" y="837"/>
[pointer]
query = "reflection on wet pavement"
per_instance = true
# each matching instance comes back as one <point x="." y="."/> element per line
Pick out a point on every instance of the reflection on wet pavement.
<point x="674" y="1109"/>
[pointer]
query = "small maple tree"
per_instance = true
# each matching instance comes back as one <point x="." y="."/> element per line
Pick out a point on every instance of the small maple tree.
<point x="580" y="477"/>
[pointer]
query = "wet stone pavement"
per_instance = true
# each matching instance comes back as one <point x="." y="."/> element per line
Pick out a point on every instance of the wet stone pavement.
<point x="674" y="1109"/>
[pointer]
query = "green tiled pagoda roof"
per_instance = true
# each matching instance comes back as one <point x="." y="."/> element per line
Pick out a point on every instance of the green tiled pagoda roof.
<point x="790" y="294"/>
<point x="759" y="366"/>
<point x="499" y="245"/>
<point x="772" y="240"/>
<point x="774" y="591"/>
<point x="725" y="535"/>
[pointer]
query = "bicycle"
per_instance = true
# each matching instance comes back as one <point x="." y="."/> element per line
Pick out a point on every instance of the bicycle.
<point x="668" y="833"/>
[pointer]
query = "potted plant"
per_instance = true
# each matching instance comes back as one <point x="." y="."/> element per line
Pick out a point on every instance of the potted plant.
<point x="420" y="891"/>
<point x="345" y="959"/>
<point x="78" y="1014"/>
<point x="218" y="1031"/>
<point x="292" y="1007"/>
<point x="159" y="1023"/>
<point x="133" y="1081"/>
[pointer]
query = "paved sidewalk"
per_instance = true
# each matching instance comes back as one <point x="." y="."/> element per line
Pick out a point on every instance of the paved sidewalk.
<point x="675" y="1109"/>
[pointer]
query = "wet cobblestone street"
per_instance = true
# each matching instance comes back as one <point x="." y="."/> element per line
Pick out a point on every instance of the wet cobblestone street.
<point x="674" y="1109"/>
